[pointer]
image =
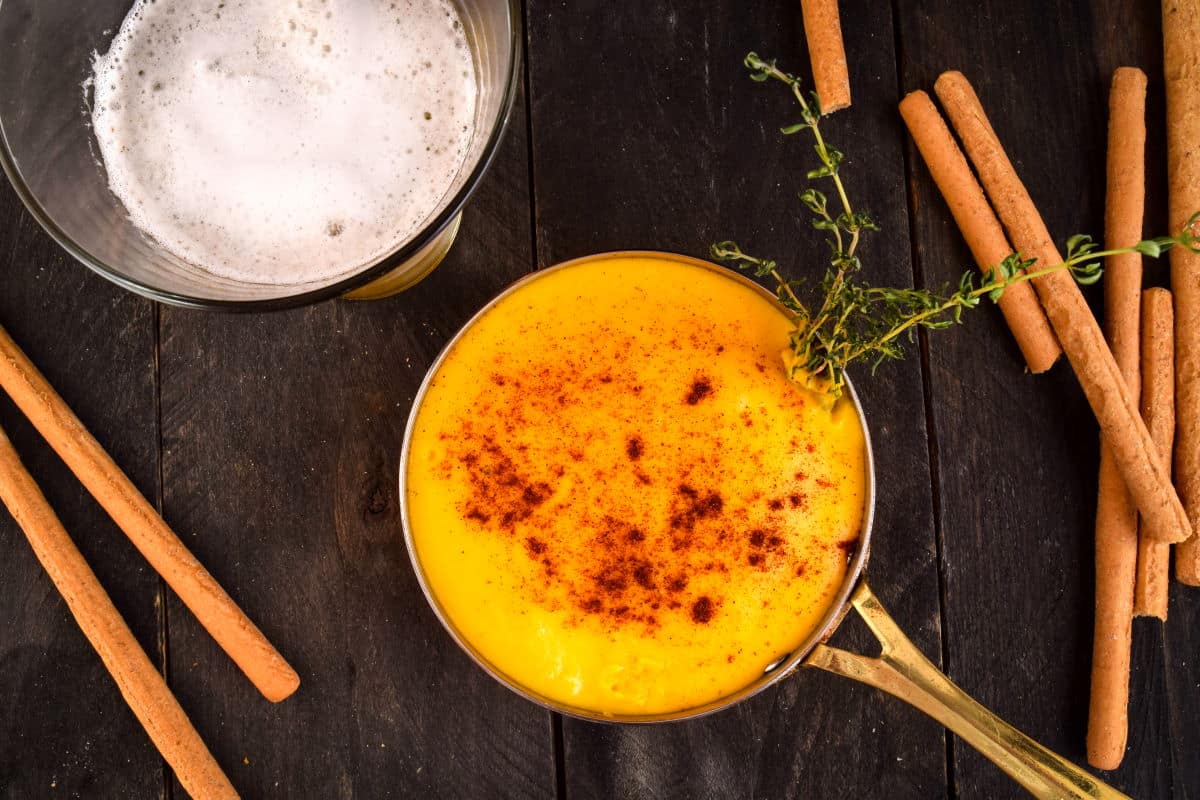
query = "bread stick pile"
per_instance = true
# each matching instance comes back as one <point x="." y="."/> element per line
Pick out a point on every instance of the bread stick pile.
<point x="1140" y="372"/>
<point x="142" y="686"/>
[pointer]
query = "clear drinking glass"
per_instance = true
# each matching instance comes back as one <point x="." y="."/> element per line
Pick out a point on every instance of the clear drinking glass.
<point x="49" y="153"/>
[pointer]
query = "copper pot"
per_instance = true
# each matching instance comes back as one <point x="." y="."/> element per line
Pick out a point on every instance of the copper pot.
<point x="900" y="669"/>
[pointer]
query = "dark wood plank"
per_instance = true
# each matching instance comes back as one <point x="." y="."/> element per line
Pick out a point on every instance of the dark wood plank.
<point x="281" y="439"/>
<point x="64" y="729"/>
<point x="648" y="134"/>
<point x="1181" y="697"/>
<point x="281" y="436"/>
<point x="1017" y="454"/>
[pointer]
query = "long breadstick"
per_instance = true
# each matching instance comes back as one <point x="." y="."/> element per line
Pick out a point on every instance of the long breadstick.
<point x="1116" y="563"/>
<point x="1116" y="517"/>
<point x="979" y="227"/>
<point x="827" y="52"/>
<point x="1145" y="475"/>
<point x="1181" y="63"/>
<point x="1123" y="214"/>
<point x="96" y="470"/>
<point x="140" y="683"/>
<point x="1158" y="409"/>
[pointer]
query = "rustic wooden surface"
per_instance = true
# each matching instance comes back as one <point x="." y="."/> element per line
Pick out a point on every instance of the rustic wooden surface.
<point x="271" y="443"/>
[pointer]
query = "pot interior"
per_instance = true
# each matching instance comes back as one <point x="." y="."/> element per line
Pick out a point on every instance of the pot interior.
<point x="774" y="671"/>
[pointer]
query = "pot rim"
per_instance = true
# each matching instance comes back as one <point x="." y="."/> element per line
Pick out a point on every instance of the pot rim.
<point x="774" y="672"/>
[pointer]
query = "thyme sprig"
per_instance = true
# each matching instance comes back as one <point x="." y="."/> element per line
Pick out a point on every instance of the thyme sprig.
<point x="855" y="321"/>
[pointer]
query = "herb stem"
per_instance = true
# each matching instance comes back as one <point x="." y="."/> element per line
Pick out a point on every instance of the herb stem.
<point x="855" y="320"/>
<point x="812" y="119"/>
<point x="991" y="287"/>
<point x="785" y="287"/>
<point x="822" y="149"/>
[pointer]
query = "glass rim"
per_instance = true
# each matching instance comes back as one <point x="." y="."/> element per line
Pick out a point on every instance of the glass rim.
<point x="774" y="672"/>
<point x="356" y="280"/>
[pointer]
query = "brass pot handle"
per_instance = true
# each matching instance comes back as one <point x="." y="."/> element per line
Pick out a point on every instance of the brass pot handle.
<point x="902" y="671"/>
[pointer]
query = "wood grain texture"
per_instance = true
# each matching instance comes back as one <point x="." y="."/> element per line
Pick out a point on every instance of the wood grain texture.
<point x="281" y="436"/>
<point x="281" y="440"/>
<point x="1016" y="454"/>
<point x="658" y="139"/>
<point x="1180" y="697"/>
<point x="140" y="682"/>
<point x="64" y="730"/>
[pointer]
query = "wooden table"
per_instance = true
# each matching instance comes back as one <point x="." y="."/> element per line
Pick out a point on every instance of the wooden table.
<point x="271" y="442"/>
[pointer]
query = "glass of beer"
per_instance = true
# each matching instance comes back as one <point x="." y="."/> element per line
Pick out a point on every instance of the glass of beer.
<point x="267" y="160"/>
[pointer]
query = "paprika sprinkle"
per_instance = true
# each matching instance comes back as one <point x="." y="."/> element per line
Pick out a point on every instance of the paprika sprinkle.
<point x="590" y="508"/>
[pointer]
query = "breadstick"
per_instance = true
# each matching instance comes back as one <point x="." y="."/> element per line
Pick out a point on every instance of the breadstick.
<point x="826" y="51"/>
<point x="1181" y="66"/>
<point x="1158" y="409"/>
<point x="1116" y="567"/>
<point x="140" y="683"/>
<point x="96" y="470"/>
<point x="979" y="226"/>
<point x="1146" y="477"/>
<point x="1116" y="517"/>
<point x="1123" y="214"/>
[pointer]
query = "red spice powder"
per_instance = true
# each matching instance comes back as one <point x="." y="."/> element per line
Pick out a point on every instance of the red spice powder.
<point x="677" y="583"/>
<point x="624" y="569"/>
<point x="701" y="388"/>
<point x="703" y="610"/>
<point x="500" y="485"/>
<point x="763" y="544"/>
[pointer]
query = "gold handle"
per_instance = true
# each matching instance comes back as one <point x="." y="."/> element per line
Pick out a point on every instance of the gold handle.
<point x="902" y="671"/>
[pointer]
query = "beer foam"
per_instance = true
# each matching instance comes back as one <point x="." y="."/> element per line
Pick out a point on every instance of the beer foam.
<point x="284" y="143"/>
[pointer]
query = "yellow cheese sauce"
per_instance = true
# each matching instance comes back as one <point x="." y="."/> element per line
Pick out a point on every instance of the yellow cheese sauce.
<point x="616" y="496"/>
